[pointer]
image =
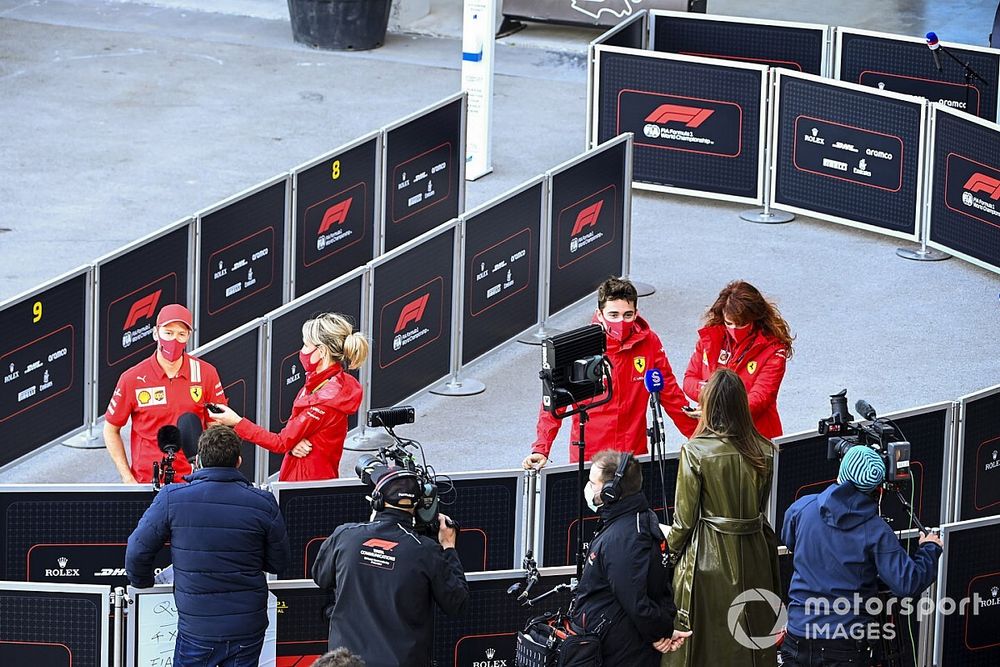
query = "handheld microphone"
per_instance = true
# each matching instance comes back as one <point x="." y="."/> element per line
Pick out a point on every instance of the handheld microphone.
<point x="866" y="410"/>
<point x="933" y="44"/>
<point x="168" y="439"/>
<point x="189" y="428"/>
<point x="653" y="379"/>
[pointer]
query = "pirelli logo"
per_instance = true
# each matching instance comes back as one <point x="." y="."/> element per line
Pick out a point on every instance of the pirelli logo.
<point x="588" y="217"/>
<point x="980" y="182"/>
<point x="675" y="113"/>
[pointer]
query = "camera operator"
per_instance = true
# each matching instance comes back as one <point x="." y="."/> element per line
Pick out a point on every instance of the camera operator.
<point x="624" y="593"/>
<point x="386" y="578"/>
<point x="841" y="546"/>
<point x="633" y="347"/>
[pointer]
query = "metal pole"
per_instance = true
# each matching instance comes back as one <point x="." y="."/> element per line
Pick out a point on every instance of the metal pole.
<point x="766" y="216"/>
<point x="644" y="289"/>
<point x="530" y="508"/>
<point x="923" y="253"/>
<point x="544" y="268"/>
<point x="119" y="601"/>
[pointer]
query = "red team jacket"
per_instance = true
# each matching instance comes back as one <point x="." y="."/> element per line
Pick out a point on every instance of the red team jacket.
<point x="319" y="413"/>
<point x="759" y="361"/>
<point x="621" y="423"/>
<point x="152" y="400"/>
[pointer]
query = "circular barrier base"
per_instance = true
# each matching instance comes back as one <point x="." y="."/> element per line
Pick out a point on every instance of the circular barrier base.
<point x="466" y="387"/>
<point x="922" y="254"/>
<point x="84" y="440"/>
<point x="369" y="440"/>
<point x="644" y="289"/>
<point x="538" y="335"/>
<point x="763" y="217"/>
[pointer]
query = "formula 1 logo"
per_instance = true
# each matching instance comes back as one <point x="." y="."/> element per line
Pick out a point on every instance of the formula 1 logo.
<point x="335" y="215"/>
<point x="142" y="309"/>
<point x="594" y="8"/>
<point x="588" y="217"/>
<point x="412" y="312"/>
<point x="669" y="113"/>
<point x="384" y="545"/>
<point x="980" y="182"/>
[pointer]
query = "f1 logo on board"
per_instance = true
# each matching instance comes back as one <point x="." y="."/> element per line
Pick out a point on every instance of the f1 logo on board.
<point x="412" y="312"/>
<point x="980" y="182"/>
<point x="142" y="309"/>
<point x="669" y="113"/>
<point x="588" y="217"/>
<point x="335" y="215"/>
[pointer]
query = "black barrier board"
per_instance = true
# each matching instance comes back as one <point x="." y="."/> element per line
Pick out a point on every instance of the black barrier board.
<point x="501" y="272"/>
<point x="424" y="172"/>
<point x="237" y="361"/>
<point x="965" y="189"/>
<point x="52" y="629"/>
<point x="131" y="289"/>
<point x="286" y="342"/>
<point x="587" y="204"/>
<point x="697" y="125"/>
<point x="303" y="628"/>
<point x="905" y="65"/>
<point x="411" y="319"/>
<point x="335" y="204"/>
<point x="485" y="633"/>
<point x="70" y="537"/>
<point x="560" y="511"/>
<point x="798" y="47"/>
<point x="972" y="572"/>
<point x="848" y="155"/>
<point x="803" y="469"/>
<point x="42" y="359"/>
<point x="241" y="266"/>
<point x="979" y="459"/>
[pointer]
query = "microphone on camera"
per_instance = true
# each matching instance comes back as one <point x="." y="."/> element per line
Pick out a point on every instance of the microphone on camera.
<point x="168" y="439"/>
<point x="933" y="44"/>
<point x="189" y="428"/>
<point x="866" y="410"/>
<point x="529" y="582"/>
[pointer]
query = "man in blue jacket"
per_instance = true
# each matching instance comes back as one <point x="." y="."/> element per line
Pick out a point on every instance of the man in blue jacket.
<point x="224" y="534"/>
<point x="840" y="548"/>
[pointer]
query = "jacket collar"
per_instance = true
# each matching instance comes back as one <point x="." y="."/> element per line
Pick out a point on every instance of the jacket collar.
<point x="314" y="380"/>
<point x="217" y="474"/>
<point x="393" y="515"/>
<point x="628" y="505"/>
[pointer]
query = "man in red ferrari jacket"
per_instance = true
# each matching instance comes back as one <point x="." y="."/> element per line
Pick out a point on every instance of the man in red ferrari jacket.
<point x="633" y="348"/>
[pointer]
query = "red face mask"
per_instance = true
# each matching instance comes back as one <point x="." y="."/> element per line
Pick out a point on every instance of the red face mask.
<point x="739" y="334"/>
<point x="172" y="350"/>
<point x="619" y="330"/>
<point x="308" y="364"/>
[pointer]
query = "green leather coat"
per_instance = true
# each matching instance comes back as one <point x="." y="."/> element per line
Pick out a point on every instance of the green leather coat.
<point x="724" y="546"/>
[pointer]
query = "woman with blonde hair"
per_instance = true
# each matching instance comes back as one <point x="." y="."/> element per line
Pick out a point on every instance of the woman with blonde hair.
<point x="720" y="539"/>
<point x="313" y="438"/>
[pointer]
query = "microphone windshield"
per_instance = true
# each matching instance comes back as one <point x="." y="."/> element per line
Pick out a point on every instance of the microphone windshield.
<point x="168" y="439"/>
<point x="865" y="409"/>
<point x="932" y="40"/>
<point x="189" y="427"/>
<point x="653" y="380"/>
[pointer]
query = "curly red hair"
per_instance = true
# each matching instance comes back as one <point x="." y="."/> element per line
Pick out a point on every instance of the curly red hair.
<point x="743" y="304"/>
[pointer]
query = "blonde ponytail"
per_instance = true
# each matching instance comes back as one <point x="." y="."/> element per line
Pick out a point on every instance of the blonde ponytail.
<point x="334" y="334"/>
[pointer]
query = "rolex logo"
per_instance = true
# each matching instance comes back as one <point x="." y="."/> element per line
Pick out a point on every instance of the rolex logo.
<point x="63" y="571"/>
<point x="63" y="561"/>
<point x="492" y="652"/>
<point x="994" y="591"/>
<point x="994" y="455"/>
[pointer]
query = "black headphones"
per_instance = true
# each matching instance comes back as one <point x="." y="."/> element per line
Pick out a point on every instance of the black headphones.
<point x="612" y="489"/>
<point x="378" y="500"/>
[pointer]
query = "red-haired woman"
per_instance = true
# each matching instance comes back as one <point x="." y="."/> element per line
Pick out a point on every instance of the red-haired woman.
<point x="745" y="333"/>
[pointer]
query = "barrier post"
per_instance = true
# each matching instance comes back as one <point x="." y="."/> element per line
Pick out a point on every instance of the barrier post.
<point x="767" y="216"/>
<point x="119" y="602"/>
<point x="644" y="289"/>
<point x="88" y="439"/>
<point x="530" y="520"/>
<point x="544" y="274"/>
<point x="923" y="253"/>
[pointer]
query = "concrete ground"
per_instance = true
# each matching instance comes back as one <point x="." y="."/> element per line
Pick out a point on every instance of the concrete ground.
<point x="121" y="117"/>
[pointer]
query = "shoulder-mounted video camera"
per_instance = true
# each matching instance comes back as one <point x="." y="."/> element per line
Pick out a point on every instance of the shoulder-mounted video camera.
<point x="879" y="434"/>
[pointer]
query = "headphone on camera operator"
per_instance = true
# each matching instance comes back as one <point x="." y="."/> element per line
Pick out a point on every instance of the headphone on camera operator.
<point x="611" y="492"/>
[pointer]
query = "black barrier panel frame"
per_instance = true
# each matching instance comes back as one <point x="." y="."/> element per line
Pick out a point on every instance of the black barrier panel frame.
<point x="251" y="453"/>
<point x="517" y="320"/>
<point x="352" y="209"/>
<point x="586" y="225"/>
<point x="951" y="533"/>
<point x="276" y="294"/>
<point x="848" y="151"/>
<point x="460" y="646"/>
<point x="973" y="499"/>
<point x="947" y="486"/>
<point x="764" y="33"/>
<point x="144" y="300"/>
<point x="389" y="239"/>
<point x="80" y="360"/>
<point x="979" y="193"/>
<point x="515" y="478"/>
<point x="274" y="397"/>
<point x="691" y="112"/>
<point x="632" y="33"/>
<point x="97" y="596"/>
<point x="650" y="482"/>
<point x="907" y="55"/>
<point x="412" y="312"/>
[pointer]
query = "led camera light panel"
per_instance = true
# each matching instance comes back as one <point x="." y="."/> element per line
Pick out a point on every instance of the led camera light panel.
<point x="42" y="360"/>
<point x="335" y="207"/>
<point x="241" y="265"/>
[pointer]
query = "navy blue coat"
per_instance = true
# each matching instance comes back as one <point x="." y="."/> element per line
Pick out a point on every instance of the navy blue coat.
<point x="224" y="534"/>
<point x="841" y="546"/>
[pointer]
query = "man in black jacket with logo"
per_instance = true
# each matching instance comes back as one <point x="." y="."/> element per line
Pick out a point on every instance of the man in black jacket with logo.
<point x="624" y="594"/>
<point x="387" y="579"/>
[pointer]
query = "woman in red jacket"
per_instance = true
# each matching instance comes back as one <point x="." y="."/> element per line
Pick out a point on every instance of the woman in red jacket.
<point x="313" y="438"/>
<point x="745" y="333"/>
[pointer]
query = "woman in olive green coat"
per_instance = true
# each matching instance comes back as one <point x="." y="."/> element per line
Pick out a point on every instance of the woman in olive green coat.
<point x="720" y="539"/>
